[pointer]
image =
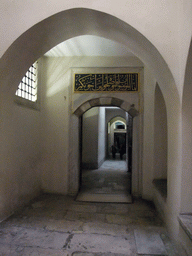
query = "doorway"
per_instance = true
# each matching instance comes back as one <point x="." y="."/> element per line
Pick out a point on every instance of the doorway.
<point x="102" y="178"/>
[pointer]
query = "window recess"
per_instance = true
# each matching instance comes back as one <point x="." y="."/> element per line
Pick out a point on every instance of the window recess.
<point x="27" y="92"/>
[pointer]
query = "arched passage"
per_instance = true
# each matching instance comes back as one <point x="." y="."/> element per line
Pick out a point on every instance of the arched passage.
<point x="62" y="26"/>
<point x="46" y="34"/>
<point x="76" y="122"/>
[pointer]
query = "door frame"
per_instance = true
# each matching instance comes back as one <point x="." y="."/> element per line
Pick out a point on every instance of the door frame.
<point x="74" y="145"/>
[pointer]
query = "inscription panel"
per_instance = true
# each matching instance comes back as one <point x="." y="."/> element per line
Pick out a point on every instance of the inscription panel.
<point x="111" y="82"/>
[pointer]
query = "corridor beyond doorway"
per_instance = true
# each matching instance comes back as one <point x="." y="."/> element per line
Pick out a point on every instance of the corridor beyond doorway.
<point x="110" y="183"/>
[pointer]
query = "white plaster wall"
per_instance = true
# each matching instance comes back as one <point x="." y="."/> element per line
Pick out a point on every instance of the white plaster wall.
<point x="54" y="125"/>
<point x="138" y="171"/>
<point x="160" y="136"/>
<point x="90" y="138"/>
<point x="20" y="155"/>
<point x="74" y="154"/>
<point x="101" y="136"/>
<point x="148" y="134"/>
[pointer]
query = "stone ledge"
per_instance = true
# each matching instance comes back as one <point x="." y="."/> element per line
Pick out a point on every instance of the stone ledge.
<point x="161" y="186"/>
<point x="185" y="221"/>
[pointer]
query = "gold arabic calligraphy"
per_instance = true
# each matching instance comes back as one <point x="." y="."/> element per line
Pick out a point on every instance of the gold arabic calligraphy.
<point x="106" y="82"/>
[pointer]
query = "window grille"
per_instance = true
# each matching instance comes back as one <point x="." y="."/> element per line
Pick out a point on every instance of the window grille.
<point x="27" y="88"/>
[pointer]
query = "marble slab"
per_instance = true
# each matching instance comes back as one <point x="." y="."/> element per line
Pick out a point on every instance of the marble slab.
<point x="150" y="243"/>
<point x="107" y="198"/>
<point x="186" y="222"/>
<point x="102" y="243"/>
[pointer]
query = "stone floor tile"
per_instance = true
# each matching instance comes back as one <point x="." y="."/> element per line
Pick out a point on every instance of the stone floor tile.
<point x="26" y="222"/>
<point x="28" y="251"/>
<point x="102" y="243"/>
<point x="9" y="250"/>
<point x="142" y="205"/>
<point x="51" y="226"/>
<point x="39" y="238"/>
<point x="120" y="219"/>
<point x="149" y="221"/>
<point x="171" y="248"/>
<point x="151" y="254"/>
<point x="100" y="254"/>
<point x="114" y="208"/>
<point x="83" y="208"/>
<point x="42" y="212"/>
<point x="105" y="229"/>
<point x="84" y="216"/>
<point x="8" y="234"/>
<point x="64" y="225"/>
<point x="144" y="213"/>
<point x="83" y="254"/>
<point x="149" y="242"/>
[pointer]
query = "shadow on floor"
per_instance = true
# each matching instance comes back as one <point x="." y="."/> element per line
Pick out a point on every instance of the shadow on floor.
<point x="110" y="183"/>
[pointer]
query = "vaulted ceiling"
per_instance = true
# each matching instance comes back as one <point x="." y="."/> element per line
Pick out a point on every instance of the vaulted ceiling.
<point x="89" y="45"/>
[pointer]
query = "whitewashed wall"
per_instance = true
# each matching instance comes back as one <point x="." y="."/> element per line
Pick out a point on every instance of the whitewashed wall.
<point x="101" y="136"/>
<point x="90" y="140"/>
<point x="20" y="155"/>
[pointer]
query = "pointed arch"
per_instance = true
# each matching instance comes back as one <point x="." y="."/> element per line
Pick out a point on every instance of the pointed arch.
<point x="57" y="28"/>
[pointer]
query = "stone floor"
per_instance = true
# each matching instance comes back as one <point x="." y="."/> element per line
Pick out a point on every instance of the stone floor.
<point x="112" y="177"/>
<point x="59" y="225"/>
<point x="110" y="183"/>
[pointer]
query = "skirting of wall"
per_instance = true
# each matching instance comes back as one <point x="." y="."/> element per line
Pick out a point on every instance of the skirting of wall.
<point x="101" y="162"/>
<point x="160" y="203"/>
<point x="185" y="241"/>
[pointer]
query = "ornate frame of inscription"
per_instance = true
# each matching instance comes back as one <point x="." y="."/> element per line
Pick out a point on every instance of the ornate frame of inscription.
<point x="107" y="82"/>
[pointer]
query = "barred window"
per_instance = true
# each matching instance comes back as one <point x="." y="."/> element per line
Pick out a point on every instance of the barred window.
<point x="27" y="88"/>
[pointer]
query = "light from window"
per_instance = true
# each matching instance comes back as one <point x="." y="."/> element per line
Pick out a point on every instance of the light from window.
<point x="27" y="88"/>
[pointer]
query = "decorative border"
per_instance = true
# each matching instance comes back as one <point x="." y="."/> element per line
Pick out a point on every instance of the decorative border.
<point x="107" y="82"/>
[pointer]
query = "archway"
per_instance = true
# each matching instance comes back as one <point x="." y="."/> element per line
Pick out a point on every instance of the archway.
<point x="90" y="22"/>
<point x="77" y="121"/>
<point x="30" y="46"/>
<point x="103" y="179"/>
